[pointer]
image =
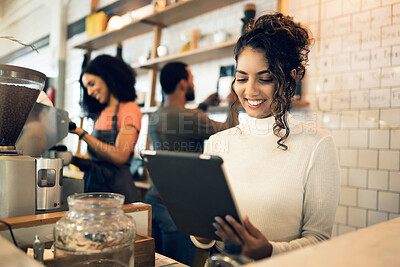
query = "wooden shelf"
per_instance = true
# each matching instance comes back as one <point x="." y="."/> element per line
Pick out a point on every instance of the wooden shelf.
<point x="173" y="13"/>
<point x="191" y="57"/>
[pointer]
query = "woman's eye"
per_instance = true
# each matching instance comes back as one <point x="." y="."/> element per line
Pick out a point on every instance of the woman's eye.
<point x="266" y="80"/>
<point x="241" y="80"/>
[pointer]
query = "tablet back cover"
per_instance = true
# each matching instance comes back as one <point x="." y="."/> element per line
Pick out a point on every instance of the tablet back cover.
<point x="193" y="188"/>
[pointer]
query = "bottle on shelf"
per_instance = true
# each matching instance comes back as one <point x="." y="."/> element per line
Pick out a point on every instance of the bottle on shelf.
<point x="231" y="256"/>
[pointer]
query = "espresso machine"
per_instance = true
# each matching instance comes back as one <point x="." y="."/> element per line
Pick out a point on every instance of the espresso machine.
<point x="28" y="182"/>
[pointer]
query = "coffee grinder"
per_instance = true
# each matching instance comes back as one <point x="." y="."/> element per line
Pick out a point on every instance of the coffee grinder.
<point x="19" y="89"/>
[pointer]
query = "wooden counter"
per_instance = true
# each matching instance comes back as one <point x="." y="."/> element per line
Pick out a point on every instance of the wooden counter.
<point x="26" y="227"/>
<point x="377" y="245"/>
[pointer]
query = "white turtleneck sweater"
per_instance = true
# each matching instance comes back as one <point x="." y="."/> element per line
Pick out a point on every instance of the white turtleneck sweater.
<point x="290" y="196"/>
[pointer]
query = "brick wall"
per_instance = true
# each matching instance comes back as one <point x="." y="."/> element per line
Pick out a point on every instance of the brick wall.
<point x="353" y="84"/>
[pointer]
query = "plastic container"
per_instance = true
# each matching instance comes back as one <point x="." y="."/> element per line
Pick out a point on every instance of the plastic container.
<point x="232" y="256"/>
<point x="95" y="232"/>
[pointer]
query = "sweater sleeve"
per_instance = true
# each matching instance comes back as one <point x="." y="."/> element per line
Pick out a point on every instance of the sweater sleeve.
<point x="321" y="196"/>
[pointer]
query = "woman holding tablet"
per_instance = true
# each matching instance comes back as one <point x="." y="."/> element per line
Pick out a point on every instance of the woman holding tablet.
<point x="283" y="173"/>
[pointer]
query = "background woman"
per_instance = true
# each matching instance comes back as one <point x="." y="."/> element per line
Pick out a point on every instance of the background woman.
<point x="284" y="173"/>
<point x="108" y="95"/>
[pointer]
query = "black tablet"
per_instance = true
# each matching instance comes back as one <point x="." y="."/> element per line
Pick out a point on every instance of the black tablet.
<point x="194" y="189"/>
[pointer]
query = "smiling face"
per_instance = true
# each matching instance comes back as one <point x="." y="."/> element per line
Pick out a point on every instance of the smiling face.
<point x="96" y="87"/>
<point x="254" y="84"/>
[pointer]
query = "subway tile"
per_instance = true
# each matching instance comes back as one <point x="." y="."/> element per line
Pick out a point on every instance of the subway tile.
<point x="395" y="98"/>
<point x="344" y="176"/>
<point x="393" y="216"/>
<point x="331" y="46"/>
<point x="359" y="138"/>
<point x="390" y="77"/>
<point x="396" y="13"/>
<point x="369" y="4"/>
<point x="370" y="78"/>
<point x="379" y="138"/>
<point x="380" y="98"/>
<point x="381" y="17"/>
<point x="351" y="80"/>
<point x="357" y="217"/>
<point x="381" y="57"/>
<point x="367" y="199"/>
<point x="371" y="39"/>
<point x="390" y="35"/>
<point x="344" y="229"/>
<point x="351" y="42"/>
<point x="325" y="65"/>
<point x="341" y="137"/>
<point x="389" y="2"/>
<point x="375" y="217"/>
<point x="348" y="196"/>
<point x="341" y="101"/>
<point x="359" y="99"/>
<point x="341" y="215"/>
<point x="351" y="6"/>
<point x="327" y="27"/>
<point x="334" y="230"/>
<point x="367" y="158"/>
<point x="358" y="178"/>
<point x="312" y="15"/>
<point x="331" y="9"/>
<point x="388" y="201"/>
<point x="395" y="138"/>
<point x="394" y="181"/>
<point x="342" y="63"/>
<point x="389" y="160"/>
<point x="360" y="60"/>
<point x="348" y="157"/>
<point x="396" y="54"/>
<point x="361" y="21"/>
<point x="390" y="117"/>
<point x="331" y="82"/>
<point x="342" y="25"/>
<point x="349" y="119"/>
<point x="331" y="120"/>
<point x="378" y="179"/>
<point x="325" y="101"/>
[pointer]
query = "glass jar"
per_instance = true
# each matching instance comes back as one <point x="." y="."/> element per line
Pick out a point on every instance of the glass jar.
<point x="95" y="232"/>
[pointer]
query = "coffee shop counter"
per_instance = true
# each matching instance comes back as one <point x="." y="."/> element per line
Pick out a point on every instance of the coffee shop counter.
<point x="377" y="245"/>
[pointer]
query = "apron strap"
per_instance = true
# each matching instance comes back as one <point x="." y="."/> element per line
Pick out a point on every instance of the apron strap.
<point x="115" y="120"/>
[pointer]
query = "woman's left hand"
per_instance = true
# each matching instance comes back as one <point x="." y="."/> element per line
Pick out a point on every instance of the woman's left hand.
<point x="255" y="244"/>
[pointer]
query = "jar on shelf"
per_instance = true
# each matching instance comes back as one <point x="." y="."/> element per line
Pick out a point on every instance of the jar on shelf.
<point x="95" y="232"/>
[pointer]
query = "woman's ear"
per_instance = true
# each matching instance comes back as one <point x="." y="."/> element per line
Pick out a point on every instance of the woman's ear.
<point x="293" y="72"/>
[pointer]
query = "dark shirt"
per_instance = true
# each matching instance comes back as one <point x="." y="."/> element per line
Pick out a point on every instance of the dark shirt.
<point x="176" y="128"/>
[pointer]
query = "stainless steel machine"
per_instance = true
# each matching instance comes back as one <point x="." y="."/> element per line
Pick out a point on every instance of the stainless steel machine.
<point x="28" y="181"/>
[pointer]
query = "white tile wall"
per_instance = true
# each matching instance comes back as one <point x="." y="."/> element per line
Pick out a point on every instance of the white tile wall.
<point x="348" y="157"/>
<point x="394" y="181"/>
<point x="368" y="158"/>
<point x="379" y="138"/>
<point x="381" y="16"/>
<point x="380" y="98"/>
<point x="357" y="217"/>
<point x="388" y="201"/>
<point x="349" y="119"/>
<point x="378" y="179"/>
<point x="395" y="98"/>
<point x="359" y="138"/>
<point x="390" y="117"/>
<point x="344" y="229"/>
<point x="344" y="176"/>
<point x="389" y="159"/>
<point x="358" y="178"/>
<point x="369" y="118"/>
<point x="375" y="217"/>
<point x="395" y="139"/>
<point x="348" y="196"/>
<point x="367" y="198"/>
<point x="381" y="57"/>
<point x="341" y="137"/>
<point x="341" y="215"/>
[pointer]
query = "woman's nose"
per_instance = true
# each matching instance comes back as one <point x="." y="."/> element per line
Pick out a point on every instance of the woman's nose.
<point x="251" y="87"/>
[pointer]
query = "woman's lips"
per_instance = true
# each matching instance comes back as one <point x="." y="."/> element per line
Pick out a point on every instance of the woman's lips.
<point x="255" y="103"/>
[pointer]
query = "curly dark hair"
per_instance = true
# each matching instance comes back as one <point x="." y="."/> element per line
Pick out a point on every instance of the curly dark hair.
<point x="119" y="77"/>
<point x="286" y="45"/>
